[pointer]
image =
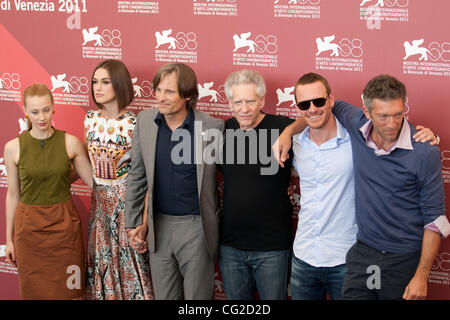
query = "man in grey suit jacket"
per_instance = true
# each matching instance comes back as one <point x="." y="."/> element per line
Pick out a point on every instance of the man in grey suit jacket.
<point x="182" y="207"/>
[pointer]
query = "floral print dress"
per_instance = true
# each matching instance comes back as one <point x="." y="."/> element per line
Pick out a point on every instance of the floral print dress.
<point x="114" y="270"/>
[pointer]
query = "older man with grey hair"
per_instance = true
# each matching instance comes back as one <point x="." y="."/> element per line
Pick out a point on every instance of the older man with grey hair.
<point x="256" y="229"/>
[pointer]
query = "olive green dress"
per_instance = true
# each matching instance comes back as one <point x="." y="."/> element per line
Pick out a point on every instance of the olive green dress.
<point x="47" y="229"/>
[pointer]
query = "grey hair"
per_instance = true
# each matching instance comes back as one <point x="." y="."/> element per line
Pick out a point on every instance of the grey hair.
<point x="245" y="76"/>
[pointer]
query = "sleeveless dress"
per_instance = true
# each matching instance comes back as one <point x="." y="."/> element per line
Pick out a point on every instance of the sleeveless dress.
<point x="114" y="270"/>
<point x="47" y="228"/>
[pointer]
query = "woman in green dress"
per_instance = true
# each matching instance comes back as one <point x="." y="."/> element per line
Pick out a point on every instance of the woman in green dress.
<point x="43" y="228"/>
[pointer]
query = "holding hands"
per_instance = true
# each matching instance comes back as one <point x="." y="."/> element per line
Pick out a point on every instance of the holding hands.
<point x="138" y="238"/>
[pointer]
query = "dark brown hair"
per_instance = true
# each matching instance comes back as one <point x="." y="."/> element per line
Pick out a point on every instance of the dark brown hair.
<point x="187" y="81"/>
<point x="309" y="78"/>
<point x="121" y="82"/>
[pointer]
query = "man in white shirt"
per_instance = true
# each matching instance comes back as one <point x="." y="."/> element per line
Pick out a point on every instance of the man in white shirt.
<point x="326" y="223"/>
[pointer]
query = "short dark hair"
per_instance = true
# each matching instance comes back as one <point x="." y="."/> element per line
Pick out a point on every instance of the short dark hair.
<point x="383" y="87"/>
<point x="121" y="82"/>
<point x="187" y="81"/>
<point x="309" y="78"/>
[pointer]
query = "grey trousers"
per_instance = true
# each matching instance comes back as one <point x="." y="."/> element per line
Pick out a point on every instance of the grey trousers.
<point x="181" y="263"/>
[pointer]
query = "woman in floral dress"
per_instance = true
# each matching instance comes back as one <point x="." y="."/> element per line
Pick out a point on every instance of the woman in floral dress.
<point x="114" y="269"/>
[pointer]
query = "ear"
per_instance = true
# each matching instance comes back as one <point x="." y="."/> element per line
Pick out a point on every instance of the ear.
<point x="263" y="101"/>
<point x="366" y="112"/>
<point x="331" y="98"/>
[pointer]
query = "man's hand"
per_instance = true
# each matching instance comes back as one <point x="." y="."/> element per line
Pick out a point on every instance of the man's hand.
<point x="138" y="238"/>
<point x="416" y="289"/>
<point x="281" y="148"/>
<point x="425" y="134"/>
<point x="283" y="144"/>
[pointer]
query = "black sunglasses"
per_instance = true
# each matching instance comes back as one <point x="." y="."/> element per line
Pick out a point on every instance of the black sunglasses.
<point x="318" y="102"/>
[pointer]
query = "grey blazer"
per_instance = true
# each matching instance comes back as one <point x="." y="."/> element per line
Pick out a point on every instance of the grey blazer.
<point x="141" y="179"/>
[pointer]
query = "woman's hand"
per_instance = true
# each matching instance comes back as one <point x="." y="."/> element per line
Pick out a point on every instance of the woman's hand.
<point x="10" y="254"/>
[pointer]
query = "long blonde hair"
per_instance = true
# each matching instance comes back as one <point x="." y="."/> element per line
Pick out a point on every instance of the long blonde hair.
<point x="36" y="90"/>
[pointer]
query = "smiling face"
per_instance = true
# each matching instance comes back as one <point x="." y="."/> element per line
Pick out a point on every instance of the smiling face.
<point x="102" y="87"/>
<point x="315" y="117"/>
<point x="39" y="110"/>
<point x="246" y="105"/>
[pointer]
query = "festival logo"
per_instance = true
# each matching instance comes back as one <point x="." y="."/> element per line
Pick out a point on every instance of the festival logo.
<point x="343" y="55"/>
<point x="10" y="86"/>
<point x="171" y="46"/>
<point x="143" y="95"/>
<point x="440" y="271"/>
<point x="431" y="59"/>
<point x="296" y="9"/>
<point x="70" y="91"/>
<point x="384" y="10"/>
<point x="286" y="103"/>
<point x="258" y="51"/>
<point x="414" y="48"/>
<point x="139" y="7"/>
<point x="101" y="44"/>
<point x="226" y="8"/>
<point x="213" y="100"/>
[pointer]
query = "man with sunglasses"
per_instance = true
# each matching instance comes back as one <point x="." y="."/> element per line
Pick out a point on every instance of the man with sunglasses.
<point x="399" y="196"/>
<point x="326" y="226"/>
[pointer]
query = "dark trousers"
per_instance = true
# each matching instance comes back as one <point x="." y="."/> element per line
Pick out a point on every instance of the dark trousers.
<point x="377" y="275"/>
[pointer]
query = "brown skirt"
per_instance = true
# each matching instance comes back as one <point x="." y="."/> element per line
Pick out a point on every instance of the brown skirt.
<point x="49" y="251"/>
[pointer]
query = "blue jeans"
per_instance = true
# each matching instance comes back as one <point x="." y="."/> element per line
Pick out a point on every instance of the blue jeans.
<point x="244" y="271"/>
<point x="313" y="283"/>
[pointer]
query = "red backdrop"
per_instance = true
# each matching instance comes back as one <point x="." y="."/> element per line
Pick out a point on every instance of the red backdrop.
<point x="59" y="42"/>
